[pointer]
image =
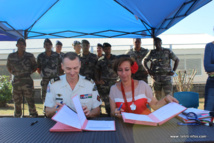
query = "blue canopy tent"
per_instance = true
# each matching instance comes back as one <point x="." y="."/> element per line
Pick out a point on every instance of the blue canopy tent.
<point x="92" y="19"/>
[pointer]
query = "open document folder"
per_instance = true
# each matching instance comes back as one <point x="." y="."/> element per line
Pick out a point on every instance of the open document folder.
<point x="68" y="120"/>
<point x="155" y="118"/>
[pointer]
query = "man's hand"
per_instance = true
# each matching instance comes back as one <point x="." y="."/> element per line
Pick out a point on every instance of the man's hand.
<point x="171" y="73"/>
<point x="86" y="111"/>
<point x="58" y="106"/>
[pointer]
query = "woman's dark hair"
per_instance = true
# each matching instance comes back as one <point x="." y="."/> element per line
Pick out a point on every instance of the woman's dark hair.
<point x="120" y="59"/>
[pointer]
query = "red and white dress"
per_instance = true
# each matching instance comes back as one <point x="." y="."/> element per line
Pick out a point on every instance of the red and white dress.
<point x="143" y="96"/>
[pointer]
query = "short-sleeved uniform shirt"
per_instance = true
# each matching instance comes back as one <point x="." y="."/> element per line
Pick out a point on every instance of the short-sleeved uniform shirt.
<point x="61" y="91"/>
<point x="49" y="65"/>
<point x="160" y="60"/>
<point x="143" y="96"/>
<point x="21" y="66"/>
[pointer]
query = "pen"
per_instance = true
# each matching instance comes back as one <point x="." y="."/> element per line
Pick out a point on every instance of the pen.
<point x="58" y="105"/>
<point x="120" y="106"/>
<point x="34" y="122"/>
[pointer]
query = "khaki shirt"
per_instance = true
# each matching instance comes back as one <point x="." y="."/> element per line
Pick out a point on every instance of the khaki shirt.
<point x="61" y="91"/>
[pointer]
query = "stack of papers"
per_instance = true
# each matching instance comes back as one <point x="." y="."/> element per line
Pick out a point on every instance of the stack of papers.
<point x="158" y="117"/>
<point x="202" y="115"/>
<point x="68" y="120"/>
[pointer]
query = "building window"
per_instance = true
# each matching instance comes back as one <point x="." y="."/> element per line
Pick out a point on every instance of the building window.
<point x="190" y="62"/>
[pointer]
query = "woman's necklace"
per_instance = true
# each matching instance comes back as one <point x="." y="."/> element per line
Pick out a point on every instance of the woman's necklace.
<point x="132" y="106"/>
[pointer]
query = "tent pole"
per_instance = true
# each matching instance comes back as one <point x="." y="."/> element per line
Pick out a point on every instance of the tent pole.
<point x="153" y="36"/>
<point x="25" y="34"/>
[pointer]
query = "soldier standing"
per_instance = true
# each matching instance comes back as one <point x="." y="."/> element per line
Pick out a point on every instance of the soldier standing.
<point x="88" y="61"/>
<point x="61" y="54"/>
<point x="49" y="65"/>
<point x="160" y="69"/>
<point x="22" y="64"/>
<point x="99" y="50"/>
<point x="138" y="53"/>
<point x="106" y="76"/>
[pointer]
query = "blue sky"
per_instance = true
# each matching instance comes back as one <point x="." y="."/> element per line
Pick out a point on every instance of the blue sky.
<point x="201" y="21"/>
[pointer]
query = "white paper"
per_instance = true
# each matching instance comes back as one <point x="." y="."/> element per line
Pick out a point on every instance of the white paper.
<point x="68" y="117"/>
<point x="137" y="117"/>
<point x="168" y="111"/>
<point x="95" y="125"/>
<point x="79" y="110"/>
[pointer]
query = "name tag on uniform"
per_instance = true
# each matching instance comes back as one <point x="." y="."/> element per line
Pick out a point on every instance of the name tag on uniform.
<point x="85" y="96"/>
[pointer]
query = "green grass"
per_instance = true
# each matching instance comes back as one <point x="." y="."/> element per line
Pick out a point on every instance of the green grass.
<point x="9" y="110"/>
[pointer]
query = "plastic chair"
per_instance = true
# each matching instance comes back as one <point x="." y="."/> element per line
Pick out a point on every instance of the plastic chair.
<point x="187" y="99"/>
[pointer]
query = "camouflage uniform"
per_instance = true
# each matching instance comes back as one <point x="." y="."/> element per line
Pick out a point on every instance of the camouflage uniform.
<point x="141" y="74"/>
<point x="61" y="72"/>
<point x="160" y="66"/>
<point x="106" y="73"/>
<point x="22" y="82"/>
<point x="88" y="64"/>
<point x="50" y="67"/>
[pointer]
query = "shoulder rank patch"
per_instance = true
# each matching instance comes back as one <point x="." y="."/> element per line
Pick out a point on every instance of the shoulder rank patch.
<point x="89" y="79"/>
<point x="95" y="88"/>
<point x="54" y="79"/>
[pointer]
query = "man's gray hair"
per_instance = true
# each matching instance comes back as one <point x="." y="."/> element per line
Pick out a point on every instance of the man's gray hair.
<point x="71" y="55"/>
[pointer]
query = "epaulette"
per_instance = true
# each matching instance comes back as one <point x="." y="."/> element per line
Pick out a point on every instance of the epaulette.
<point x="54" y="79"/>
<point x="89" y="79"/>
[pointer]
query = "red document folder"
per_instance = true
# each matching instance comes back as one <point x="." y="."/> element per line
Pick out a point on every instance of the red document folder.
<point x="60" y="127"/>
<point x="158" y="117"/>
<point x="70" y="120"/>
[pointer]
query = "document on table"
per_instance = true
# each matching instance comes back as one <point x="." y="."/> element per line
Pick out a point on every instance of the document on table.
<point x="78" y="120"/>
<point x="68" y="117"/>
<point x="158" y="117"/>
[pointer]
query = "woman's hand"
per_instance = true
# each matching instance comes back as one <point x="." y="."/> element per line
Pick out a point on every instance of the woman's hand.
<point x="169" y="99"/>
<point x="117" y="113"/>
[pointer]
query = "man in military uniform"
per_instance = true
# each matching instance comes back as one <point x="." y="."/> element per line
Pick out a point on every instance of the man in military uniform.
<point x="22" y="64"/>
<point x="160" y="69"/>
<point x="99" y="50"/>
<point x="49" y="65"/>
<point x="61" y="92"/>
<point x="61" y="54"/>
<point x="138" y="53"/>
<point x="88" y="61"/>
<point x="106" y="76"/>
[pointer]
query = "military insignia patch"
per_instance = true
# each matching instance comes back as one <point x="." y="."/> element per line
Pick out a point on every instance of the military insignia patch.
<point x="98" y="98"/>
<point x="48" y="88"/>
<point x="95" y="88"/>
<point x="85" y="96"/>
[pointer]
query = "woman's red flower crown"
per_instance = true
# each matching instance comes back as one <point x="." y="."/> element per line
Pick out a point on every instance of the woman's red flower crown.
<point x="134" y="68"/>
